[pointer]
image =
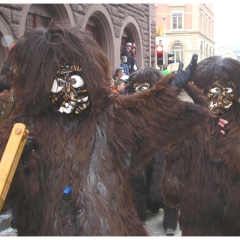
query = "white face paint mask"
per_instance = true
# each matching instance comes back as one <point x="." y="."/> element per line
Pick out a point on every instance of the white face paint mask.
<point x="69" y="94"/>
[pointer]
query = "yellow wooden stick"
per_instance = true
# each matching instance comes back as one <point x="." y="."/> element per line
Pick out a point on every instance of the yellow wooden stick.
<point x="10" y="159"/>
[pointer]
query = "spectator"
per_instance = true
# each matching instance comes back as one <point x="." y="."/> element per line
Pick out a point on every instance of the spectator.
<point x="127" y="52"/>
<point x="120" y="74"/>
<point x="133" y="59"/>
<point x="124" y="65"/>
<point x="119" y="87"/>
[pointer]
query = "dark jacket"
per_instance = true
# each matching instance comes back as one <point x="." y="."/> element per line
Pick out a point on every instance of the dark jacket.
<point x="129" y="57"/>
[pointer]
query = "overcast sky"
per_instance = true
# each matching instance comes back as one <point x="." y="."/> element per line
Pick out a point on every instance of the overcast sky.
<point x="227" y="20"/>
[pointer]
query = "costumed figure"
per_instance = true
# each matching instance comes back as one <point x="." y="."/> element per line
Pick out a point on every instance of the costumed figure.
<point x="74" y="181"/>
<point x="202" y="173"/>
<point x="146" y="184"/>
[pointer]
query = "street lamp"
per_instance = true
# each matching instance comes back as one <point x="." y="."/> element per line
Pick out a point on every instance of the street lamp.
<point x="164" y="44"/>
<point x="163" y="17"/>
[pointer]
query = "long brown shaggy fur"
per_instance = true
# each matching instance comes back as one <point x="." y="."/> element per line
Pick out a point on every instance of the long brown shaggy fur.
<point x="88" y="151"/>
<point x="146" y="184"/>
<point x="202" y="173"/>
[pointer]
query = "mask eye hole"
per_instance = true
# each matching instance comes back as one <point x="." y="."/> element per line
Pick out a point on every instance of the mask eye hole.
<point x="57" y="85"/>
<point x="144" y="88"/>
<point x="76" y="81"/>
<point x="228" y="90"/>
<point x="215" y="90"/>
<point x="60" y="82"/>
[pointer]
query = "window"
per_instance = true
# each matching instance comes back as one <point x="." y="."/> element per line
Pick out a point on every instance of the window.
<point x="34" y="21"/>
<point x="177" y="20"/>
<point x="201" y="50"/>
<point x="177" y="49"/>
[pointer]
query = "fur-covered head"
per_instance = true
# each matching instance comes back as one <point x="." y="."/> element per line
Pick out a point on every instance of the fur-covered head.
<point x="143" y="78"/>
<point x="215" y="71"/>
<point x="39" y="55"/>
<point x="226" y="69"/>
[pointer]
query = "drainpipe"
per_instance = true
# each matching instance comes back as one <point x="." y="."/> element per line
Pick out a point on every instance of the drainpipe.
<point x="149" y="31"/>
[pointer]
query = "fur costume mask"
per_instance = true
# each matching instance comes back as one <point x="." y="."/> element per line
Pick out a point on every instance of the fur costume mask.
<point x="142" y="80"/>
<point x="220" y="84"/>
<point x="69" y="94"/>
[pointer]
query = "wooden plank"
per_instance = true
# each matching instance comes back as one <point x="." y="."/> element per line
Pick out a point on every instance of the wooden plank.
<point x="10" y="159"/>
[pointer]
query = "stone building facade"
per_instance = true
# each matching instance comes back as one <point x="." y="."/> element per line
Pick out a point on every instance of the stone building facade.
<point x="112" y="26"/>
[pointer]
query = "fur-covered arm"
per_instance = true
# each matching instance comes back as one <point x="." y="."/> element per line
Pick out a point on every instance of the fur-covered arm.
<point x="196" y="94"/>
<point x="155" y="119"/>
<point x="173" y="178"/>
<point x="181" y="159"/>
<point x="230" y="150"/>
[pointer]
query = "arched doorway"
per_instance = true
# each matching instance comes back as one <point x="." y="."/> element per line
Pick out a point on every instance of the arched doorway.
<point x="92" y="27"/>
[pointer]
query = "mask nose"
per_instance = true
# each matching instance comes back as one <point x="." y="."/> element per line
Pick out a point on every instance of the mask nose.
<point x="224" y="92"/>
<point x="71" y="92"/>
<point x="68" y="87"/>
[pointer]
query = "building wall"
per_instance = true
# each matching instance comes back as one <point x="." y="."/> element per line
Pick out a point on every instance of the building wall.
<point x="196" y="35"/>
<point x="112" y="20"/>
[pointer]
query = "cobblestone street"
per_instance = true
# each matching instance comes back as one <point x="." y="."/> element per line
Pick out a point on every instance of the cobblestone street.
<point x="153" y="225"/>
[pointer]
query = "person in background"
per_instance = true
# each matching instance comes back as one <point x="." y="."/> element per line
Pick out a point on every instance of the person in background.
<point x="127" y="52"/>
<point x="119" y="72"/>
<point x="133" y="59"/>
<point x="124" y="65"/>
<point x="119" y="87"/>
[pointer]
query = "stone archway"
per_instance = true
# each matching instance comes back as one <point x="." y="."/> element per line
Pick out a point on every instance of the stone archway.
<point x="56" y="11"/>
<point x="102" y="20"/>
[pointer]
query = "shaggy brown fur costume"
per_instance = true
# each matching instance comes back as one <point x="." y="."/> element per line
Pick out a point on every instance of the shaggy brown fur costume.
<point x="146" y="184"/>
<point x="154" y="174"/>
<point x="87" y="151"/>
<point x="202" y="173"/>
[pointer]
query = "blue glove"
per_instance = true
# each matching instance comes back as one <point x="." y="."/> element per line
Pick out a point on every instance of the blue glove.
<point x="184" y="76"/>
